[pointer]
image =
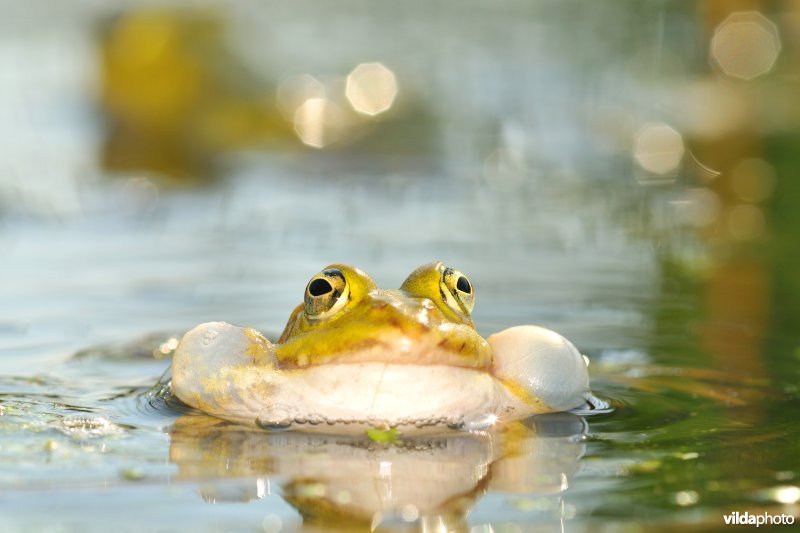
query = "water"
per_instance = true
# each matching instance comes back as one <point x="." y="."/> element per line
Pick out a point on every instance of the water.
<point x="512" y="158"/>
<point x="688" y="439"/>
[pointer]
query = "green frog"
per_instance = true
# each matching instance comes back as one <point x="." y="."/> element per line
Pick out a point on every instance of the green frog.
<point x="355" y="357"/>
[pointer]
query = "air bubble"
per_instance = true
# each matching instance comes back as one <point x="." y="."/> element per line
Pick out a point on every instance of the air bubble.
<point x="274" y="425"/>
<point x="455" y="422"/>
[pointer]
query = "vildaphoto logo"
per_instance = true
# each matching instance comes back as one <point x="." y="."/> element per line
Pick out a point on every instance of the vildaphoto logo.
<point x="746" y="519"/>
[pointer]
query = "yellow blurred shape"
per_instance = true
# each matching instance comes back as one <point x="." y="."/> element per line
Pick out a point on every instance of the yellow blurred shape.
<point x="146" y="77"/>
<point x="753" y="180"/>
<point x="174" y="97"/>
<point x="371" y="88"/>
<point x="318" y="122"/>
<point x="142" y="38"/>
<point x="295" y="91"/>
<point x="658" y="148"/>
<point x="746" y="222"/>
<point x="745" y="45"/>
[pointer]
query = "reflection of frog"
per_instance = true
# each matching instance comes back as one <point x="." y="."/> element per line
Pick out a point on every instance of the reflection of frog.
<point x="353" y="356"/>
<point x="349" y="483"/>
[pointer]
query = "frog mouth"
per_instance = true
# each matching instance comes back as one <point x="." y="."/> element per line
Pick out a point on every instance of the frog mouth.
<point x="465" y="349"/>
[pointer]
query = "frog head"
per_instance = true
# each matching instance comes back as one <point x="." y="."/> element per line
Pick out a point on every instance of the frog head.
<point x="346" y="318"/>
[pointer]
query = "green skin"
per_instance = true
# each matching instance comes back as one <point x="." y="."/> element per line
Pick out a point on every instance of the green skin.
<point x="373" y="323"/>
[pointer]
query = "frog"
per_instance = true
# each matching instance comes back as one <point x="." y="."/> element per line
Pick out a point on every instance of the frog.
<point x="354" y="357"/>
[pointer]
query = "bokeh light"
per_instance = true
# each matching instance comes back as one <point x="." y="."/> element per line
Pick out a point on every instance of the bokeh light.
<point x="786" y="494"/>
<point x="685" y="498"/>
<point x="294" y="91"/>
<point x="658" y="148"/>
<point x="746" y="45"/>
<point x="318" y="122"/>
<point x="371" y="88"/>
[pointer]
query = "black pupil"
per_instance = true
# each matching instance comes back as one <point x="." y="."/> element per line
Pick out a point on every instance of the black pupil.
<point x="463" y="285"/>
<point x="318" y="287"/>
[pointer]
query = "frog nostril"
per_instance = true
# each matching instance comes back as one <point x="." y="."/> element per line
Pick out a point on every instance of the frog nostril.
<point x="318" y="287"/>
<point x="463" y="285"/>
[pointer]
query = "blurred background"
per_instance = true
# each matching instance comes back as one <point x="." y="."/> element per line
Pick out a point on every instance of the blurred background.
<point x="625" y="172"/>
<point x="167" y="163"/>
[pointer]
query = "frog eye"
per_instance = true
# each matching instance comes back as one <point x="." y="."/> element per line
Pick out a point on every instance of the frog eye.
<point x="457" y="291"/>
<point x="326" y="293"/>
